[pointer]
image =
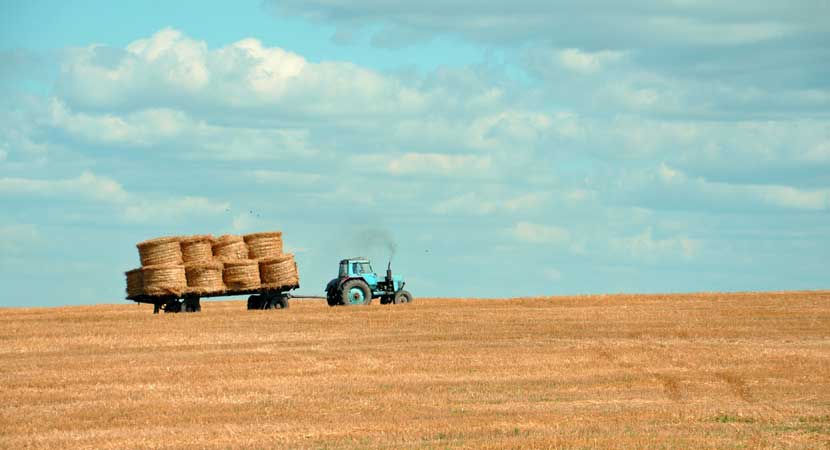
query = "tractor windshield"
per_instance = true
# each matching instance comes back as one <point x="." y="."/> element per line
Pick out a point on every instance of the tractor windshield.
<point x="366" y="268"/>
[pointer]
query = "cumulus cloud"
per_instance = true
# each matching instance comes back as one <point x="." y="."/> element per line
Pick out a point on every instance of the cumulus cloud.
<point x="131" y="207"/>
<point x="586" y="62"/>
<point x="170" y="69"/>
<point x="439" y="164"/>
<point x="535" y="233"/>
<point x="670" y="188"/>
<point x="646" y="247"/>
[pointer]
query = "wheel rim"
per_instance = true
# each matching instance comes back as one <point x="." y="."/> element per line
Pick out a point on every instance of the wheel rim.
<point x="356" y="295"/>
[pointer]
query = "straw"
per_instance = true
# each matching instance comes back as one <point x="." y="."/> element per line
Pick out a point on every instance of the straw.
<point x="160" y="251"/>
<point x="197" y="249"/>
<point x="135" y="283"/>
<point x="279" y="271"/>
<point x="241" y="274"/>
<point x="264" y="245"/>
<point x="164" y="280"/>
<point x="204" y="278"/>
<point x="230" y="248"/>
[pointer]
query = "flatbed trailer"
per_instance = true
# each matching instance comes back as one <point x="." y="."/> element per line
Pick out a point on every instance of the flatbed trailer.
<point x="259" y="298"/>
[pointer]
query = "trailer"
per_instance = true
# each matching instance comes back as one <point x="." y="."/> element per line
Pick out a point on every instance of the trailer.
<point x="259" y="298"/>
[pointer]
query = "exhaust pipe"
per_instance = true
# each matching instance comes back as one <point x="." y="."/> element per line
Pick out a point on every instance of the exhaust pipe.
<point x="389" y="273"/>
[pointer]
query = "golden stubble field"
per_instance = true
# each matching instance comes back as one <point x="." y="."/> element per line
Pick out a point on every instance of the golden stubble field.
<point x="658" y="371"/>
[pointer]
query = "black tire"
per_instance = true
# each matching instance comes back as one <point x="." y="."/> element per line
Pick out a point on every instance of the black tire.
<point x="355" y="284"/>
<point x="331" y="298"/>
<point x="385" y="300"/>
<point x="279" y="302"/>
<point x="402" y="297"/>
<point x="254" y="302"/>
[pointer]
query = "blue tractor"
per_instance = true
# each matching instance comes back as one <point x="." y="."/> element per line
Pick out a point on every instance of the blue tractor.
<point x="358" y="284"/>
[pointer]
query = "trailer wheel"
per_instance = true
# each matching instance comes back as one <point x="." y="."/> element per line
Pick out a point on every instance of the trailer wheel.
<point x="173" y="307"/>
<point x="355" y="292"/>
<point x="254" y="302"/>
<point x="280" y="302"/>
<point x="402" y="297"/>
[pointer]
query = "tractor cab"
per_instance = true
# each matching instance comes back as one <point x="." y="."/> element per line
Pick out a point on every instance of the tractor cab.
<point x="357" y="283"/>
<point x="355" y="267"/>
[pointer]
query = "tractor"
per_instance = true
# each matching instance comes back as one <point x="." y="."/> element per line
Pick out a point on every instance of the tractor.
<point x="358" y="284"/>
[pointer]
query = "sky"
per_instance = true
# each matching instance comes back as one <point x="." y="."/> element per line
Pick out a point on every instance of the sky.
<point x="491" y="150"/>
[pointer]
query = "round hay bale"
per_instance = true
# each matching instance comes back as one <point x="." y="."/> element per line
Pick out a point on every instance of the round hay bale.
<point x="163" y="251"/>
<point x="230" y="248"/>
<point x="278" y="271"/>
<point x="264" y="245"/>
<point x="197" y="249"/>
<point x="135" y="283"/>
<point x="204" y="278"/>
<point x="241" y="274"/>
<point x="164" y="280"/>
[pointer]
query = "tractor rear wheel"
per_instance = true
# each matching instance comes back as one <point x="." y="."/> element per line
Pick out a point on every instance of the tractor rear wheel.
<point x="402" y="297"/>
<point x="355" y="292"/>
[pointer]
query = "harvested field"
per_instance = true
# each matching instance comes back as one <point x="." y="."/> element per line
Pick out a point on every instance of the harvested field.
<point x="662" y="371"/>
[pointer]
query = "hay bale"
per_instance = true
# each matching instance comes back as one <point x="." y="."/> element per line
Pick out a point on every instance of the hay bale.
<point x="264" y="245"/>
<point x="135" y="282"/>
<point x="241" y="274"/>
<point x="278" y="272"/>
<point x="163" y="251"/>
<point x="230" y="248"/>
<point x="197" y="249"/>
<point x="204" y="278"/>
<point x="164" y="280"/>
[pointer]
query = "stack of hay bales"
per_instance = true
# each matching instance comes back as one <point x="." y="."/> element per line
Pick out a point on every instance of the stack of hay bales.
<point x="278" y="271"/>
<point x="204" y="265"/>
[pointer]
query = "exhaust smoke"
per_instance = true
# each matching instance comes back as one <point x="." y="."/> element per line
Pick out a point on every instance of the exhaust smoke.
<point x="377" y="239"/>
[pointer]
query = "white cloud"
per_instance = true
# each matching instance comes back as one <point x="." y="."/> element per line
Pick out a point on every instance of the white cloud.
<point x="131" y="207"/>
<point x="587" y="63"/>
<point x="170" y="69"/>
<point x="510" y="127"/>
<point x="439" y="164"/>
<point x="644" y="246"/>
<point x="477" y="203"/>
<point x="469" y="203"/>
<point x="527" y="202"/>
<point x="281" y="177"/>
<point x="162" y="127"/>
<point x="776" y="196"/>
<point x="540" y="234"/>
<point x="603" y="24"/>
<point x="87" y="185"/>
<point x="713" y="33"/>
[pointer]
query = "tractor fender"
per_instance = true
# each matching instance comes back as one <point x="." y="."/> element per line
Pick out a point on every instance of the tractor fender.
<point x="337" y="283"/>
<point x="343" y="281"/>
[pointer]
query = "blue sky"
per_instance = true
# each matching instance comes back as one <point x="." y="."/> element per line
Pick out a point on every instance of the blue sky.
<point x="552" y="147"/>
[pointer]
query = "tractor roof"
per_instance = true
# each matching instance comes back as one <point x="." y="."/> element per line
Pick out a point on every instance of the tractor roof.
<point x="355" y="259"/>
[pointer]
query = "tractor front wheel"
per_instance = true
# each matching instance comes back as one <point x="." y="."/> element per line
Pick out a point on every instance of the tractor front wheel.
<point x="355" y="292"/>
<point x="402" y="297"/>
